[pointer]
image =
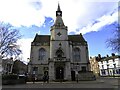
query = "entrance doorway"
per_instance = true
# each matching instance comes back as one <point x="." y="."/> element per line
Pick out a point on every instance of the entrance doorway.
<point x="73" y="75"/>
<point x="59" y="73"/>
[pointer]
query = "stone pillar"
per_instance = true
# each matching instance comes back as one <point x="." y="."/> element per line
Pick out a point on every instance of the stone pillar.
<point x="67" y="71"/>
<point x="51" y="71"/>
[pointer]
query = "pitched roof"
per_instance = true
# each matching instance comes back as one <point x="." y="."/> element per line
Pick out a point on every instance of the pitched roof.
<point x="109" y="58"/>
<point x="41" y="38"/>
<point x="46" y="38"/>
<point x="76" y="38"/>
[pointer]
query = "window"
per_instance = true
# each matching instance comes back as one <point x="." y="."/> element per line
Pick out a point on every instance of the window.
<point x="114" y="65"/>
<point x="59" y="53"/>
<point x="42" y="54"/>
<point x="119" y="71"/>
<point x="83" y="68"/>
<point x="102" y="66"/>
<point x="107" y="66"/>
<point x="35" y="70"/>
<point x="76" y="54"/>
<point x="103" y="72"/>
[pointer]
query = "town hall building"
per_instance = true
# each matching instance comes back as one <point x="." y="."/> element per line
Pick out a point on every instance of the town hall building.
<point x="60" y="55"/>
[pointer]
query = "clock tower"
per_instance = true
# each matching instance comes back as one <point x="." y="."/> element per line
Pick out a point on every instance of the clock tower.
<point x="59" y="12"/>
<point x="59" y="63"/>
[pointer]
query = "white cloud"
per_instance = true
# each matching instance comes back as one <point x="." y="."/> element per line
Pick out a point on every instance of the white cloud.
<point x="19" y="12"/>
<point x="25" y="46"/>
<point x="102" y="21"/>
<point x="76" y="13"/>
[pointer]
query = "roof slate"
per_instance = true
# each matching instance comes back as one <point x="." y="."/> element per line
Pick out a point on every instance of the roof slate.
<point x="41" y="38"/>
<point x="46" y="38"/>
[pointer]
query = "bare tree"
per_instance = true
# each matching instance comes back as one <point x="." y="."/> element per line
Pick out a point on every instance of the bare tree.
<point x="8" y="40"/>
<point x="114" y="42"/>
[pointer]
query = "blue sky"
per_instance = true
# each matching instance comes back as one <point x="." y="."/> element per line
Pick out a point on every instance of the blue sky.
<point x="95" y="19"/>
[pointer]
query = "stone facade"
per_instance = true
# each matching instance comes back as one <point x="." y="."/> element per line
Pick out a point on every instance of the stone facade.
<point x="60" y="55"/>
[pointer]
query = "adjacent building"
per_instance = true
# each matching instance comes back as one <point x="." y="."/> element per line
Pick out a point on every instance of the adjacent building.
<point x="19" y="67"/>
<point x="59" y="55"/>
<point x="94" y="66"/>
<point x="7" y="65"/>
<point x="110" y="65"/>
<point x="106" y="66"/>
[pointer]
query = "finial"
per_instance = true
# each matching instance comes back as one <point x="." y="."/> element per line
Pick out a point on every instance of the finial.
<point x="58" y="9"/>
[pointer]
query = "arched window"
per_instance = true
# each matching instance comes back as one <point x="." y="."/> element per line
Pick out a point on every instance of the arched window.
<point x="42" y="54"/>
<point x="59" y="53"/>
<point x="76" y="54"/>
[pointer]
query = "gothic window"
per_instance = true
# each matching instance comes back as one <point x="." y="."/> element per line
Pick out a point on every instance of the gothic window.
<point x="59" y="53"/>
<point x="42" y="54"/>
<point x="76" y="54"/>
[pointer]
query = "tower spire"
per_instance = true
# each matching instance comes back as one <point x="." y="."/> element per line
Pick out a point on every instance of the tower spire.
<point x="58" y="9"/>
<point x="59" y="22"/>
<point x="58" y="12"/>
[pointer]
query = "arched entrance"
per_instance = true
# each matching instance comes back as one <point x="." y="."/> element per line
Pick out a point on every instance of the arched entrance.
<point x="59" y="73"/>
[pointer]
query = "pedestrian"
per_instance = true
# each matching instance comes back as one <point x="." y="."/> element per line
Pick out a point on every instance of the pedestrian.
<point x="33" y="78"/>
<point x="44" y="78"/>
<point x="47" y="78"/>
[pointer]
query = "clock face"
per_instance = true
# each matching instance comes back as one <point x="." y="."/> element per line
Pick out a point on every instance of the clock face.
<point x="58" y="13"/>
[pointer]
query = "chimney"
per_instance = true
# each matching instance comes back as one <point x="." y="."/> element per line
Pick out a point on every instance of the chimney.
<point x="107" y="55"/>
<point x="99" y="56"/>
<point x="113" y="54"/>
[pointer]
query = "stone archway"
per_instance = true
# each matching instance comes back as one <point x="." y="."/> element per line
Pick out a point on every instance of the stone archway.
<point x="60" y="73"/>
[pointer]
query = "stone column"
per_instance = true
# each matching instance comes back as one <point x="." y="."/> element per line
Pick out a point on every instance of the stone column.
<point x="67" y="71"/>
<point x="51" y="71"/>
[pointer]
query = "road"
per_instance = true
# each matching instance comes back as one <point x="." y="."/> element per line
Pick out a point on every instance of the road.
<point x="113" y="83"/>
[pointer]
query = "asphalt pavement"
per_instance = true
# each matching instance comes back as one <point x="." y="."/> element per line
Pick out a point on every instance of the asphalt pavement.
<point x="113" y="83"/>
